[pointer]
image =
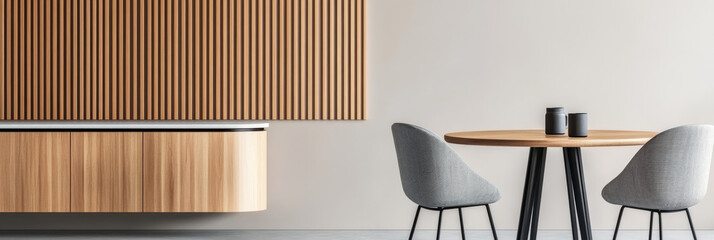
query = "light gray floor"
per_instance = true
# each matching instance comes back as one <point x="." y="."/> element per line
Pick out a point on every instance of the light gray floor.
<point x="325" y="235"/>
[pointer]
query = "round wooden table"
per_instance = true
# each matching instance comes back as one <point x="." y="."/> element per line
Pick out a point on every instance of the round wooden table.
<point x="538" y="142"/>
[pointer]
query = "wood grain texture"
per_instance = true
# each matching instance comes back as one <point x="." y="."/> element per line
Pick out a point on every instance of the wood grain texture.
<point x="205" y="171"/>
<point x="106" y="172"/>
<point x="538" y="138"/>
<point x="182" y="60"/>
<point x="34" y="172"/>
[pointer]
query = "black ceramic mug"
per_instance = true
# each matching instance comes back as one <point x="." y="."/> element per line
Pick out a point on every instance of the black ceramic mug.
<point x="578" y="126"/>
<point x="555" y="121"/>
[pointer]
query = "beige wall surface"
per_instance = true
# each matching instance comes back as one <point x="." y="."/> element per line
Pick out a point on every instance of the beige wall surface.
<point x="470" y="65"/>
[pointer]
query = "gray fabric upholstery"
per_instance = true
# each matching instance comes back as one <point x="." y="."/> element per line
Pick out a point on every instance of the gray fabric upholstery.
<point x="670" y="172"/>
<point x="433" y="175"/>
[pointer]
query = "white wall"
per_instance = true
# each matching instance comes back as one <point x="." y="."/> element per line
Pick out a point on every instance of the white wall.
<point x="472" y="64"/>
<point x="476" y="65"/>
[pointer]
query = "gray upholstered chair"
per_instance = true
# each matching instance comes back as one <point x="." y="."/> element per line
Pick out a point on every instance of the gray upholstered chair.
<point x="668" y="174"/>
<point x="436" y="178"/>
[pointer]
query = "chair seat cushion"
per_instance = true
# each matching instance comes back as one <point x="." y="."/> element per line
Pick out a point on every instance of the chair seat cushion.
<point x="476" y="192"/>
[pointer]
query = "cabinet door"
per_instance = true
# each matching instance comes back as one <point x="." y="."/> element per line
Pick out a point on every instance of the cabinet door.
<point x="106" y="171"/>
<point x="204" y="171"/>
<point x="34" y="171"/>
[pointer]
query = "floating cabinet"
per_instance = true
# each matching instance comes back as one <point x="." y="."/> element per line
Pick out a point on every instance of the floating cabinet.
<point x="205" y="171"/>
<point x="192" y="168"/>
<point x="34" y="171"/>
<point x="106" y="172"/>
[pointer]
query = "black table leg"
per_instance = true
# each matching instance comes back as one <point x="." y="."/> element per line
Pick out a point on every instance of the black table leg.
<point x="530" y="206"/>
<point x="538" y="192"/>
<point x="573" y="157"/>
<point x="571" y="197"/>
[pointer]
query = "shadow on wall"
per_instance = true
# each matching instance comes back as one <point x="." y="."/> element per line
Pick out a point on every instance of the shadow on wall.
<point x="111" y="221"/>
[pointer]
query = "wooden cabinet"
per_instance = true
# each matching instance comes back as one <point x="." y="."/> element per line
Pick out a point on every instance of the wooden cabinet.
<point x="113" y="171"/>
<point x="204" y="171"/>
<point x="106" y="172"/>
<point x="34" y="171"/>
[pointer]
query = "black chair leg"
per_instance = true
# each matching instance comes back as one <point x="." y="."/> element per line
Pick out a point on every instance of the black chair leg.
<point x="461" y="220"/>
<point x="651" y="219"/>
<point x="659" y="213"/>
<point x="490" y="219"/>
<point x="411" y="234"/>
<point x="691" y="225"/>
<point x="617" y="227"/>
<point x="438" y="227"/>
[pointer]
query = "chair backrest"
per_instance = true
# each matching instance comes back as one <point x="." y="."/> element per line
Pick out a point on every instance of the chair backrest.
<point x="430" y="170"/>
<point x="672" y="169"/>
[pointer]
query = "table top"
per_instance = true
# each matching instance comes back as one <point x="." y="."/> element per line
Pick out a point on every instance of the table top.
<point x="538" y="138"/>
<point x="130" y="125"/>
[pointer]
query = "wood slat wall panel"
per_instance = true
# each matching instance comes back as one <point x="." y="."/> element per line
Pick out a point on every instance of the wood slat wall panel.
<point x="182" y="60"/>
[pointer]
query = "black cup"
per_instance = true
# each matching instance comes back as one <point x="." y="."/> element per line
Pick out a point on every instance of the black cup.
<point x="555" y="121"/>
<point x="577" y="125"/>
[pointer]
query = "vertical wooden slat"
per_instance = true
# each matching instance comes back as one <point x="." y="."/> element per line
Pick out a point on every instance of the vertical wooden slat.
<point x="40" y="65"/>
<point x="88" y="61"/>
<point x="296" y="59"/>
<point x="360" y="67"/>
<point x="267" y="59"/>
<point x="92" y="60"/>
<point x="76" y="61"/>
<point x="326" y="59"/>
<point x="334" y="78"/>
<point x="224" y="52"/>
<point x="134" y="59"/>
<point x="196" y="17"/>
<point x="155" y="60"/>
<point x="309" y="58"/>
<point x="99" y="58"/>
<point x="344" y="50"/>
<point x="106" y="29"/>
<point x="9" y="66"/>
<point x="61" y="58"/>
<point x="205" y="77"/>
<point x="22" y="69"/>
<point x="163" y="46"/>
<point x="353" y="61"/>
<point x="339" y="49"/>
<point x="303" y="63"/>
<point x="260" y="56"/>
<point x="231" y="59"/>
<point x="191" y="57"/>
<point x="141" y="50"/>
<point x="172" y="104"/>
<point x="210" y="57"/>
<point x="175" y="80"/>
<point x="289" y="66"/>
<point x="3" y="56"/>
<point x="245" y="57"/>
<point x="240" y="41"/>
<point x="317" y="70"/>
<point x="253" y="61"/>
<point x="81" y="58"/>
<point x="183" y="68"/>
<point x="274" y="60"/>
<point x="34" y="67"/>
<point x="281" y="60"/>
<point x="70" y="76"/>
<point x="114" y="59"/>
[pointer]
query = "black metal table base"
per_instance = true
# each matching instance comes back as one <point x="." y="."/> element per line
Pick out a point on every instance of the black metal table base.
<point x="577" y="197"/>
